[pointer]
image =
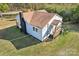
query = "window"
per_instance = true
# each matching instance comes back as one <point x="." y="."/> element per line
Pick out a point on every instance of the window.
<point x="35" y="29"/>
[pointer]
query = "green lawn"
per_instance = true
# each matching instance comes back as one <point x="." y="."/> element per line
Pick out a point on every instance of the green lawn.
<point x="13" y="42"/>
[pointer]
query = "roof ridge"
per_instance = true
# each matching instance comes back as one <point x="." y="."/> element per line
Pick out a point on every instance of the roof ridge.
<point x="32" y="15"/>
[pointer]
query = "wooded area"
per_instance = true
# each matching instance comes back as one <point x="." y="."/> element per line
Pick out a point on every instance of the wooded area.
<point x="69" y="12"/>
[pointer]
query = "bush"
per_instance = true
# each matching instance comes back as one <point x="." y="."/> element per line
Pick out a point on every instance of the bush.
<point x="4" y="7"/>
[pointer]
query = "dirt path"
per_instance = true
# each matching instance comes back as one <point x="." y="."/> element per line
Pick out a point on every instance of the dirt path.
<point x="6" y="23"/>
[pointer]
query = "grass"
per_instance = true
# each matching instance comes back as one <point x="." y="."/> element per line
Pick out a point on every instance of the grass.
<point x="14" y="42"/>
<point x="5" y="23"/>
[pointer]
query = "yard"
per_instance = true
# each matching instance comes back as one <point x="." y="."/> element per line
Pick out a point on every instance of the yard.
<point x="14" y="42"/>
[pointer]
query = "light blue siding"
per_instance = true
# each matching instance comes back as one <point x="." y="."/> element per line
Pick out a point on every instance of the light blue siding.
<point x="37" y="35"/>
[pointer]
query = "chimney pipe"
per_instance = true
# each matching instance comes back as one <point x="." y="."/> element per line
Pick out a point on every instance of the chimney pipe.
<point x="21" y="14"/>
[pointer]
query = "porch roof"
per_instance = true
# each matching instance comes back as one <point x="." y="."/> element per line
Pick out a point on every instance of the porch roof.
<point x="56" y="22"/>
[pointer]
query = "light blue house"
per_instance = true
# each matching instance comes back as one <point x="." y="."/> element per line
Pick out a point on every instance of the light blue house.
<point x="39" y="24"/>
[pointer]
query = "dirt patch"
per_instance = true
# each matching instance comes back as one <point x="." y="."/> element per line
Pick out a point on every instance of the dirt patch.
<point x="6" y="23"/>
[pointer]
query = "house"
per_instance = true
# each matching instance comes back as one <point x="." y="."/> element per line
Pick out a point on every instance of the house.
<point x="39" y="24"/>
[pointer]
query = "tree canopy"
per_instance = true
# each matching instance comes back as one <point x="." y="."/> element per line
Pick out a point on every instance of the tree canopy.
<point x="4" y="7"/>
<point x="69" y="12"/>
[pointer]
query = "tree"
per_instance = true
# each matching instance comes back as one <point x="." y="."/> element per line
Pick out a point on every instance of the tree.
<point x="4" y="7"/>
<point x="36" y="6"/>
<point x="75" y="15"/>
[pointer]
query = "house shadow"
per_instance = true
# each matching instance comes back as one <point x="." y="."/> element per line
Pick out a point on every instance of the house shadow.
<point x="17" y="38"/>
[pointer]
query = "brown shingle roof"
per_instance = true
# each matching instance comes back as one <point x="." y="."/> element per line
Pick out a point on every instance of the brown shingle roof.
<point x="28" y="16"/>
<point x="39" y="19"/>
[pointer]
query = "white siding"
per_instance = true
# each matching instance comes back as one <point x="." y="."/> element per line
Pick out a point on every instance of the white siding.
<point x="43" y="32"/>
<point x="57" y="17"/>
<point x="37" y="35"/>
<point x="45" y="29"/>
<point x="52" y="32"/>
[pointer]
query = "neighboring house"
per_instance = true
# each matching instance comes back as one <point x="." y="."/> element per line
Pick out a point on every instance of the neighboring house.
<point x="39" y="24"/>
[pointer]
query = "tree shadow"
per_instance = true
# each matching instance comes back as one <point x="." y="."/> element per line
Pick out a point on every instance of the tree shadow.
<point x="17" y="38"/>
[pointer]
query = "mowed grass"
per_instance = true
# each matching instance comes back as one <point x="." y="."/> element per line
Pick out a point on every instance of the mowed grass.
<point x="14" y="42"/>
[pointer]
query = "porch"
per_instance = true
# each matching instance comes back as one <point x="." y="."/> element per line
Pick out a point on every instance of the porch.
<point x="54" y="29"/>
